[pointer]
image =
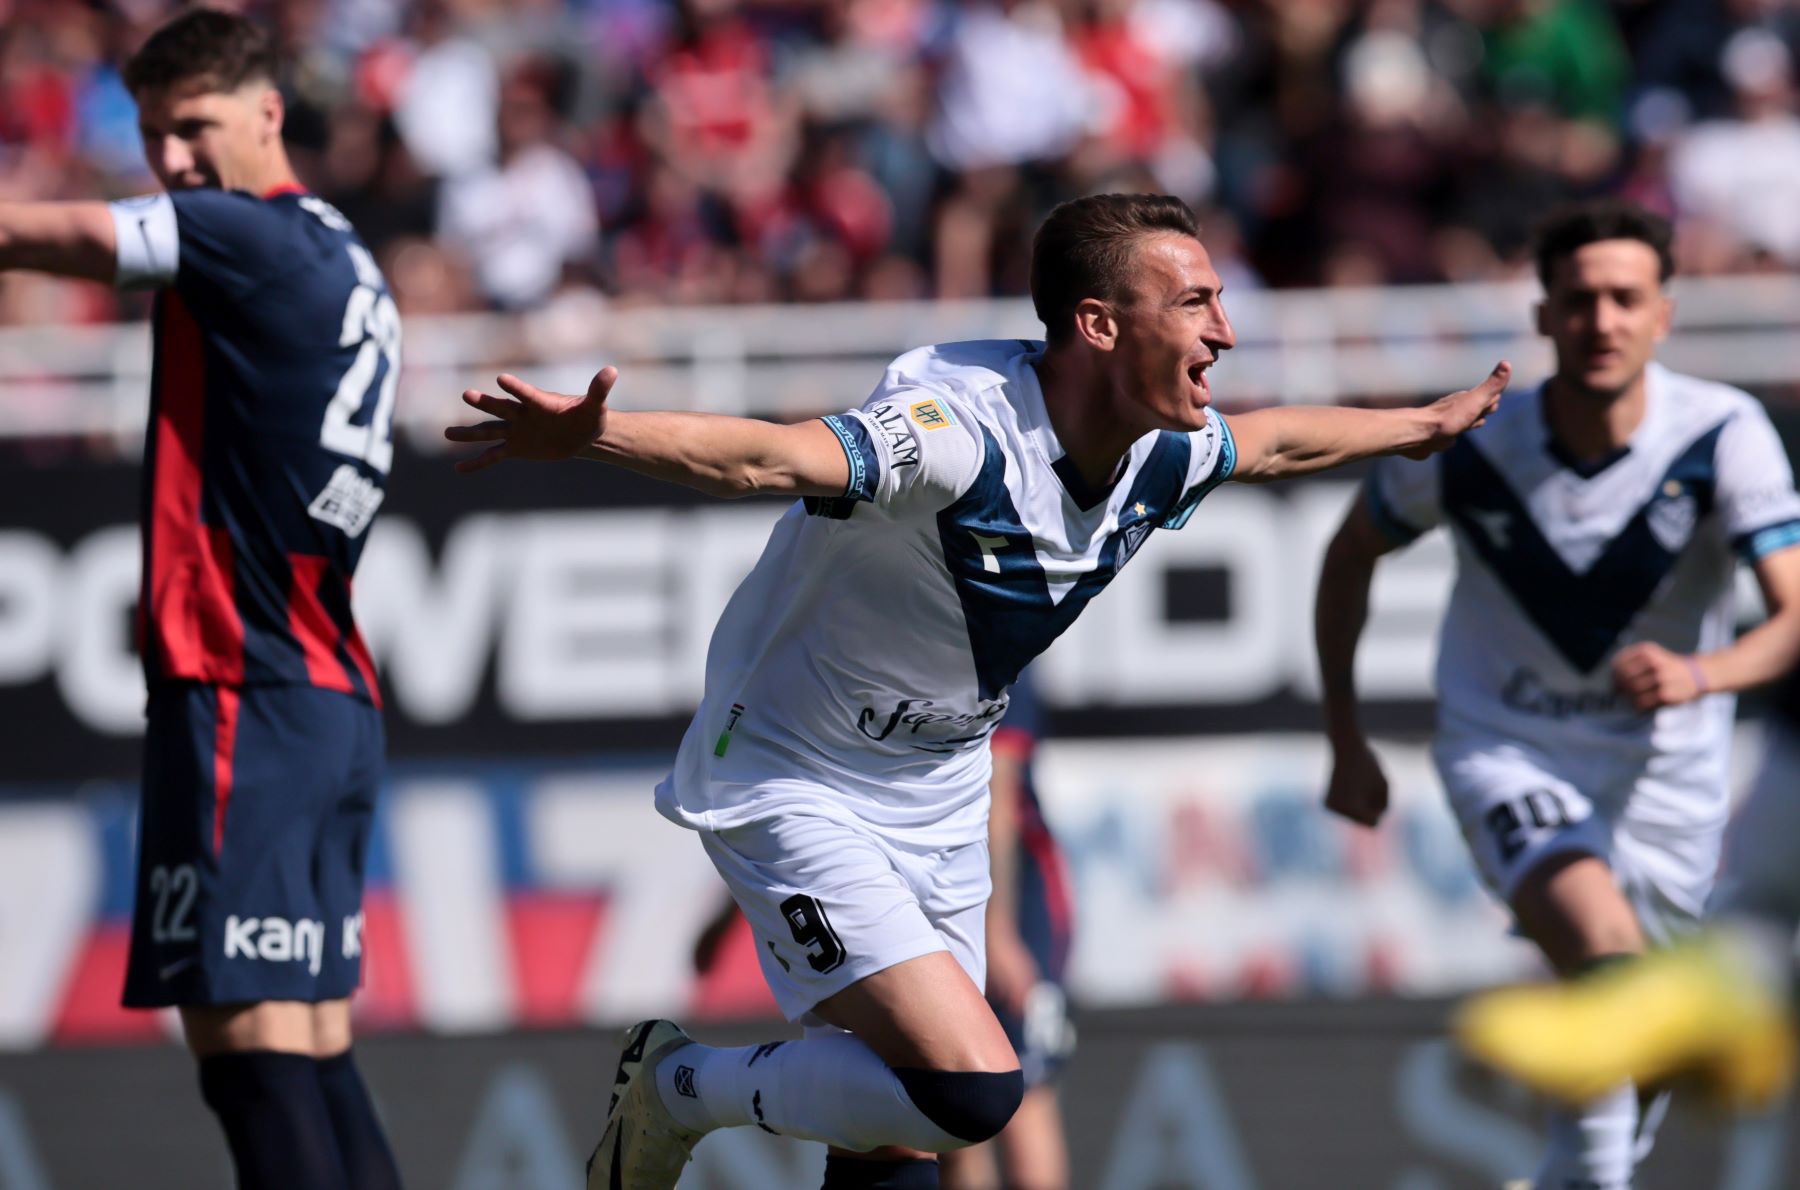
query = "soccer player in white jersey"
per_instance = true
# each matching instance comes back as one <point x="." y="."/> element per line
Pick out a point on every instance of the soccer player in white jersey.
<point x="1587" y="664"/>
<point x="837" y="769"/>
<point x="1717" y="1008"/>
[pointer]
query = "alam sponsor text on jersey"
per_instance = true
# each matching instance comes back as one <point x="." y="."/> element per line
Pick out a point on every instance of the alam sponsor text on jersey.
<point x="861" y="666"/>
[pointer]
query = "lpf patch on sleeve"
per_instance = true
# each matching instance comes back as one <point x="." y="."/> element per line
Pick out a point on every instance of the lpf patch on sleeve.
<point x="931" y="415"/>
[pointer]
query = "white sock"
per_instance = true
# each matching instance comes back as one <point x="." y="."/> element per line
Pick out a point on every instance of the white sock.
<point x="1593" y="1148"/>
<point x="832" y="1089"/>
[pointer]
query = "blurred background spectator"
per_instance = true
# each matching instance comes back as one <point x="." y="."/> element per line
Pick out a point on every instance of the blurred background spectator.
<point x="525" y="218"/>
<point x="508" y="155"/>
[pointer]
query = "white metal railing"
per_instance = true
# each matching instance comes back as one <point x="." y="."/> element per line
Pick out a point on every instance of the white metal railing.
<point x="786" y="361"/>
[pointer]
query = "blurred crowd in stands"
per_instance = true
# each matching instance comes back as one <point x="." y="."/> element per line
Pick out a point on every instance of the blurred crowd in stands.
<point x="513" y="154"/>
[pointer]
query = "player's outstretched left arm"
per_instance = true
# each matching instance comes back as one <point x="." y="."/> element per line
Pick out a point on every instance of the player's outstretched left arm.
<point x="722" y="456"/>
<point x="72" y="239"/>
<point x="1652" y="676"/>
<point x="1281" y="443"/>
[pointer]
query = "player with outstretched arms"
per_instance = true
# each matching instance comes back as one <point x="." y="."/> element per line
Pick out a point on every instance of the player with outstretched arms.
<point x="1587" y="664"/>
<point x="276" y="361"/>
<point x="837" y="769"/>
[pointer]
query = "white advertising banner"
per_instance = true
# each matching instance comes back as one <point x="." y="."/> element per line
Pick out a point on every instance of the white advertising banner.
<point x="1206" y="868"/>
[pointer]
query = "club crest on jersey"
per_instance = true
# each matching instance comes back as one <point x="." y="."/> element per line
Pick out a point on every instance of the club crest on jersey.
<point x="931" y="415"/>
<point x="1497" y="526"/>
<point x="1131" y="539"/>
<point x="1673" y="515"/>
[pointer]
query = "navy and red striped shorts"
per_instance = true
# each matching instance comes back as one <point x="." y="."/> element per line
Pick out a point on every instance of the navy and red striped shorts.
<point x="252" y="838"/>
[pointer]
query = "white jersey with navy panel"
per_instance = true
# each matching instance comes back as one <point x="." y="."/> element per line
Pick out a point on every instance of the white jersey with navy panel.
<point x="859" y="669"/>
<point x="1559" y="567"/>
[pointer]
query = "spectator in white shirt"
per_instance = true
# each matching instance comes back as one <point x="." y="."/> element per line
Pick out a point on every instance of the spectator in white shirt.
<point x="1744" y="175"/>
<point x="521" y="222"/>
<point x="1012" y="92"/>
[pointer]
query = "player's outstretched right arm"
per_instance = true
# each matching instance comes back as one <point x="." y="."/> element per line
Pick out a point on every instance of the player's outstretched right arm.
<point x="72" y="239"/>
<point x="723" y="456"/>
<point x="1358" y="789"/>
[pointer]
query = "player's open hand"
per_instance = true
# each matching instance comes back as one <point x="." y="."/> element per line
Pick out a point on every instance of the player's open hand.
<point x="1652" y="676"/>
<point x="534" y="424"/>
<point x="1458" y="413"/>
<point x="1359" y="789"/>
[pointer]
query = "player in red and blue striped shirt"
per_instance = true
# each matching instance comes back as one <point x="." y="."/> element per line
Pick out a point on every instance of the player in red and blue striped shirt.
<point x="276" y="363"/>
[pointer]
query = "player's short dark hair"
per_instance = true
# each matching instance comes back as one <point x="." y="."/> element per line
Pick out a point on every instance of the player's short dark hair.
<point x="220" y="50"/>
<point x="1084" y="250"/>
<point x="1576" y="226"/>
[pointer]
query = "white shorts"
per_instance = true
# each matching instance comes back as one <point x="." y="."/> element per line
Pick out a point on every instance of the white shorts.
<point x="832" y="902"/>
<point x="1516" y="813"/>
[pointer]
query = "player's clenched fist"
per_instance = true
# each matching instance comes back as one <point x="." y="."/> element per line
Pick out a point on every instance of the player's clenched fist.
<point x="1652" y="676"/>
<point x="1359" y="789"/>
<point x="535" y="424"/>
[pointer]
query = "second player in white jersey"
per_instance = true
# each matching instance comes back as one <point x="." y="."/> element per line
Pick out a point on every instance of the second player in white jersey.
<point x="1559" y="567"/>
<point x="860" y="668"/>
<point x="1588" y="660"/>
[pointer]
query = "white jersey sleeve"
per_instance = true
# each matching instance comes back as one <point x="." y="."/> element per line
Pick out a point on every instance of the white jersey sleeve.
<point x="910" y="452"/>
<point x="1212" y="457"/>
<point x="148" y="241"/>
<point x="1404" y="497"/>
<point x="1755" y="497"/>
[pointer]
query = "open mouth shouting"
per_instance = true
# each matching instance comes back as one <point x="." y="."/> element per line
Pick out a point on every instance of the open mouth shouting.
<point x="1196" y="374"/>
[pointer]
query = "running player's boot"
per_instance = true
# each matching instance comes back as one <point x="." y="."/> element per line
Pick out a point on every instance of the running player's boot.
<point x="1688" y="1010"/>
<point x="642" y="1148"/>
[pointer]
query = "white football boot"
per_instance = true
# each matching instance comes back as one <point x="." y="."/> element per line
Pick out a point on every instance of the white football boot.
<point x="643" y="1147"/>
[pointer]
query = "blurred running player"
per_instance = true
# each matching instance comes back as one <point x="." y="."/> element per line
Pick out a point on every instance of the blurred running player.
<point x="1718" y="1009"/>
<point x="1587" y="666"/>
<point x="276" y="357"/>
<point x="837" y="769"/>
<point x="1028" y="927"/>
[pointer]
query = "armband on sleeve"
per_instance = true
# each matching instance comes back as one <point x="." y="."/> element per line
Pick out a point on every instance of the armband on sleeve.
<point x="1755" y="496"/>
<point x="149" y="243"/>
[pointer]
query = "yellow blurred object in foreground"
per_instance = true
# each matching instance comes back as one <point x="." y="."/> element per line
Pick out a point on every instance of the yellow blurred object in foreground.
<point x="1689" y="1010"/>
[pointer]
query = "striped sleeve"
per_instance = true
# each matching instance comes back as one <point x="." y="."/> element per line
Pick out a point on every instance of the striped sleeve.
<point x="1754" y="547"/>
<point x="1211" y="461"/>
<point x="864" y="469"/>
<point x="1756" y="499"/>
<point x="859" y="452"/>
